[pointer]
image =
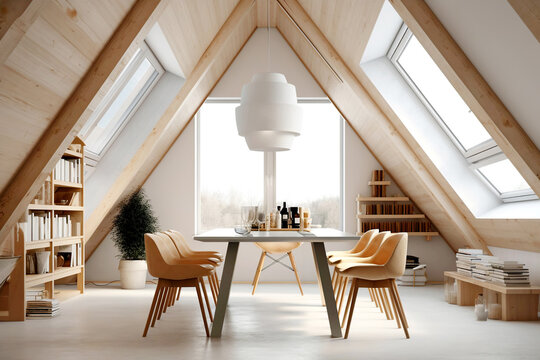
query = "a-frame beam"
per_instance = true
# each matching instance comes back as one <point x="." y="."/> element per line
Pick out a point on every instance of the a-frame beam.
<point x="221" y="52"/>
<point x="67" y="124"/>
<point x="529" y="12"/>
<point x="371" y="124"/>
<point x="475" y="91"/>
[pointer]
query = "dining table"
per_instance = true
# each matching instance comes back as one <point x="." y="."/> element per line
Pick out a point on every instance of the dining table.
<point x="316" y="236"/>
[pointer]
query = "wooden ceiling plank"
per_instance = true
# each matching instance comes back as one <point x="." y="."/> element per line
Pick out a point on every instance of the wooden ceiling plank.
<point x="373" y="127"/>
<point x="11" y="10"/>
<point x="529" y="12"/>
<point x="23" y="186"/>
<point x="472" y="87"/>
<point x="213" y="63"/>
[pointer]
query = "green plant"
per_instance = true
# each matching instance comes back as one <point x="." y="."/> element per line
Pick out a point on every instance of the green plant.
<point x="134" y="219"/>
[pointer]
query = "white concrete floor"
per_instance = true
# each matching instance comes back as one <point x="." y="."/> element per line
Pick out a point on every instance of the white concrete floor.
<point x="276" y="323"/>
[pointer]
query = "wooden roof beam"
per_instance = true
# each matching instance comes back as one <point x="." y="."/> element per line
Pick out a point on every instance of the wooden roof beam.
<point x="68" y="122"/>
<point x="371" y="124"/>
<point x="11" y="10"/>
<point x="221" y="52"/>
<point x="472" y="87"/>
<point x="529" y="12"/>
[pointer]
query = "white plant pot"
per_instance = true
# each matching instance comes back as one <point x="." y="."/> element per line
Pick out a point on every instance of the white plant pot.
<point x="132" y="274"/>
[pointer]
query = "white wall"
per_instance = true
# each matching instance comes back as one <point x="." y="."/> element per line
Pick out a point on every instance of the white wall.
<point x="172" y="186"/>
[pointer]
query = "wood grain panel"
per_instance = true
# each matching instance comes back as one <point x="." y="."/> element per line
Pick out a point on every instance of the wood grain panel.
<point x="373" y="127"/>
<point x="213" y="63"/>
<point x="189" y="27"/>
<point x="529" y="12"/>
<point x="68" y="122"/>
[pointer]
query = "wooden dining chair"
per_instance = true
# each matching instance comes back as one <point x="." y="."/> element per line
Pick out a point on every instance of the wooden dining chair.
<point x="165" y="264"/>
<point x="378" y="271"/>
<point x="269" y="248"/>
<point x="207" y="257"/>
<point x="377" y="296"/>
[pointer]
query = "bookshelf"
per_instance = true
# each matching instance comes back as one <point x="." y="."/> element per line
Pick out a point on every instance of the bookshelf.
<point x="390" y="213"/>
<point x="53" y="223"/>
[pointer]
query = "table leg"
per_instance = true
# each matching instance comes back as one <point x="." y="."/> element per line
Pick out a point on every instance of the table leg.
<point x="319" y="255"/>
<point x="318" y="278"/>
<point x="224" y="288"/>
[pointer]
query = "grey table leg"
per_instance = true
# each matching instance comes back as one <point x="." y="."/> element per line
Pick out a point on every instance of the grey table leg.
<point x="319" y="254"/>
<point x="224" y="288"/>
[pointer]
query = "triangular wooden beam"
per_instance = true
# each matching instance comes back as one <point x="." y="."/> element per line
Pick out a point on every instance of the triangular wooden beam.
<point x="472" y="87"/>
<point x="372" y="125"/>
<point x="67" y="124"/>
<point x="221" y="52"/>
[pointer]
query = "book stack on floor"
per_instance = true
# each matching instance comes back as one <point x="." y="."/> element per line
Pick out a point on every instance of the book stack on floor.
<point x="466" y="260"/>
<point x="509" y="273"/>
<point x="44" y="308"/>
<point x="415" y="273"/>
<point x="32" y="294"/>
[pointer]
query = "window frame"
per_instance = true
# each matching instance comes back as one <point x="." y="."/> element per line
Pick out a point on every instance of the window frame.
<point x="485" y="153"/>
<point x="269" y="165"/>
<point x="142" y="53"/>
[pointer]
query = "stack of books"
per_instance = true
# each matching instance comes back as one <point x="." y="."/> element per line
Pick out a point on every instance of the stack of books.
<point x="44" y="308"/>
<point x="509" y="273"/>
<point x="415" y="273"/>
<point x="483" y="268"/>
<point x="32" y="294"/>
<point x="466" y="260"/>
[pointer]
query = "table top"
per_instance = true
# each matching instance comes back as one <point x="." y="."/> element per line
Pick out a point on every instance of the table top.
<point x="314" y="235"/>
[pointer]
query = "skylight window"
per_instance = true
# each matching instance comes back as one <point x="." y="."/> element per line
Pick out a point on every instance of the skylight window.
<point x="119" y="104"/>
<point x="456" y="119"/>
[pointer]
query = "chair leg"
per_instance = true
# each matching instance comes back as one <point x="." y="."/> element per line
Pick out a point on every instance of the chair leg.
<point x="212" y="288"/>
<point x="354" y="291"/>
<point x="379" y="302"/>
<point x="394" y="306"/>
<point x="258" y="273"/>
<point x="336" y="285"/>
<point x="340" y="286"/>
<point x="216" y="283"/>
<point x="202" y="309"/>
<point x="334" y="276"/>
<point x="178" y="294"/>
<point x="342" y="295"/>
<point x="348" y="304"/>
<point x="393" y="295"/>
<point x="259" y="266"/>
<point x="381" y="297"/>
<point x="206" y="298"/>
<point x="399" y="304"/>
<point x="152" y="309"/>
<point x="161" y="298"/>
<point x="291" y="258"/>
<point x="371" y="295"/>
<point x="163" y="307"/>
<point x="386" y="306"/>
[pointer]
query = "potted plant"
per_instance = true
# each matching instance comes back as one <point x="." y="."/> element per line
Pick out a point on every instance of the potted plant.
<point x="135" y="218"/>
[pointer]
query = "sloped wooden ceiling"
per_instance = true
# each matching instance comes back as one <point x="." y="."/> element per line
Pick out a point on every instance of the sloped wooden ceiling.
<point x="224" y="45"/>
<point x="55" y="59"/>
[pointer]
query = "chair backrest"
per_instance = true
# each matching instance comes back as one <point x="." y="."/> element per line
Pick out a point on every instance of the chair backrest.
<point x="395" y="265"/>
<point x="179" y="243"/>
<point x="278" y="247"/>
<point x="374" y="244"/>
<point x="160" y="252"/>
<point x="364" y="240"/>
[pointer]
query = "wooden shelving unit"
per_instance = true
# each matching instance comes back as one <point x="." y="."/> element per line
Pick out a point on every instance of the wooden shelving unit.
<point x="390" y="213"/>
<point x="61" y="204"/>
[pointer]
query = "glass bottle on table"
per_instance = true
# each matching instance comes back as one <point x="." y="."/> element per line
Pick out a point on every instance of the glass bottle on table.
<point x="284" y="216"/>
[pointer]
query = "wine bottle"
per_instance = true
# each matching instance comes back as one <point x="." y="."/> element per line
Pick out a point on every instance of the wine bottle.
<point x="278" y="218"/>
<point x="284" y="216"/>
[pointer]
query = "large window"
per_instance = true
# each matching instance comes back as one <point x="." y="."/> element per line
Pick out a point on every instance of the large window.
<point x="121" y="101"/>
<point x="230" y="175"/>
<point x="456" y="119"/>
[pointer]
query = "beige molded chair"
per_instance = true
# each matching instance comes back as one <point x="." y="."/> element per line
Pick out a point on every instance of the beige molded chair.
<point x="213" y="258"/>
<point x="377" y="296"/>
<point x="165" y="263"/>
<point x="378" y="271"/>
<point x="276" y="248"/>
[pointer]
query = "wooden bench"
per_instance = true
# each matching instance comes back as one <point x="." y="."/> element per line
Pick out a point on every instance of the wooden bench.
<point x="504" y="303"/>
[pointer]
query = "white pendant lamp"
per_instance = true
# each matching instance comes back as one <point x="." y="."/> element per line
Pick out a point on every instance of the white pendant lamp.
<point x="268" y="116"/>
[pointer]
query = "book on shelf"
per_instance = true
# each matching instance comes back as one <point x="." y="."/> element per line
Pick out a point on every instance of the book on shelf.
<point x="68" y="170"/>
